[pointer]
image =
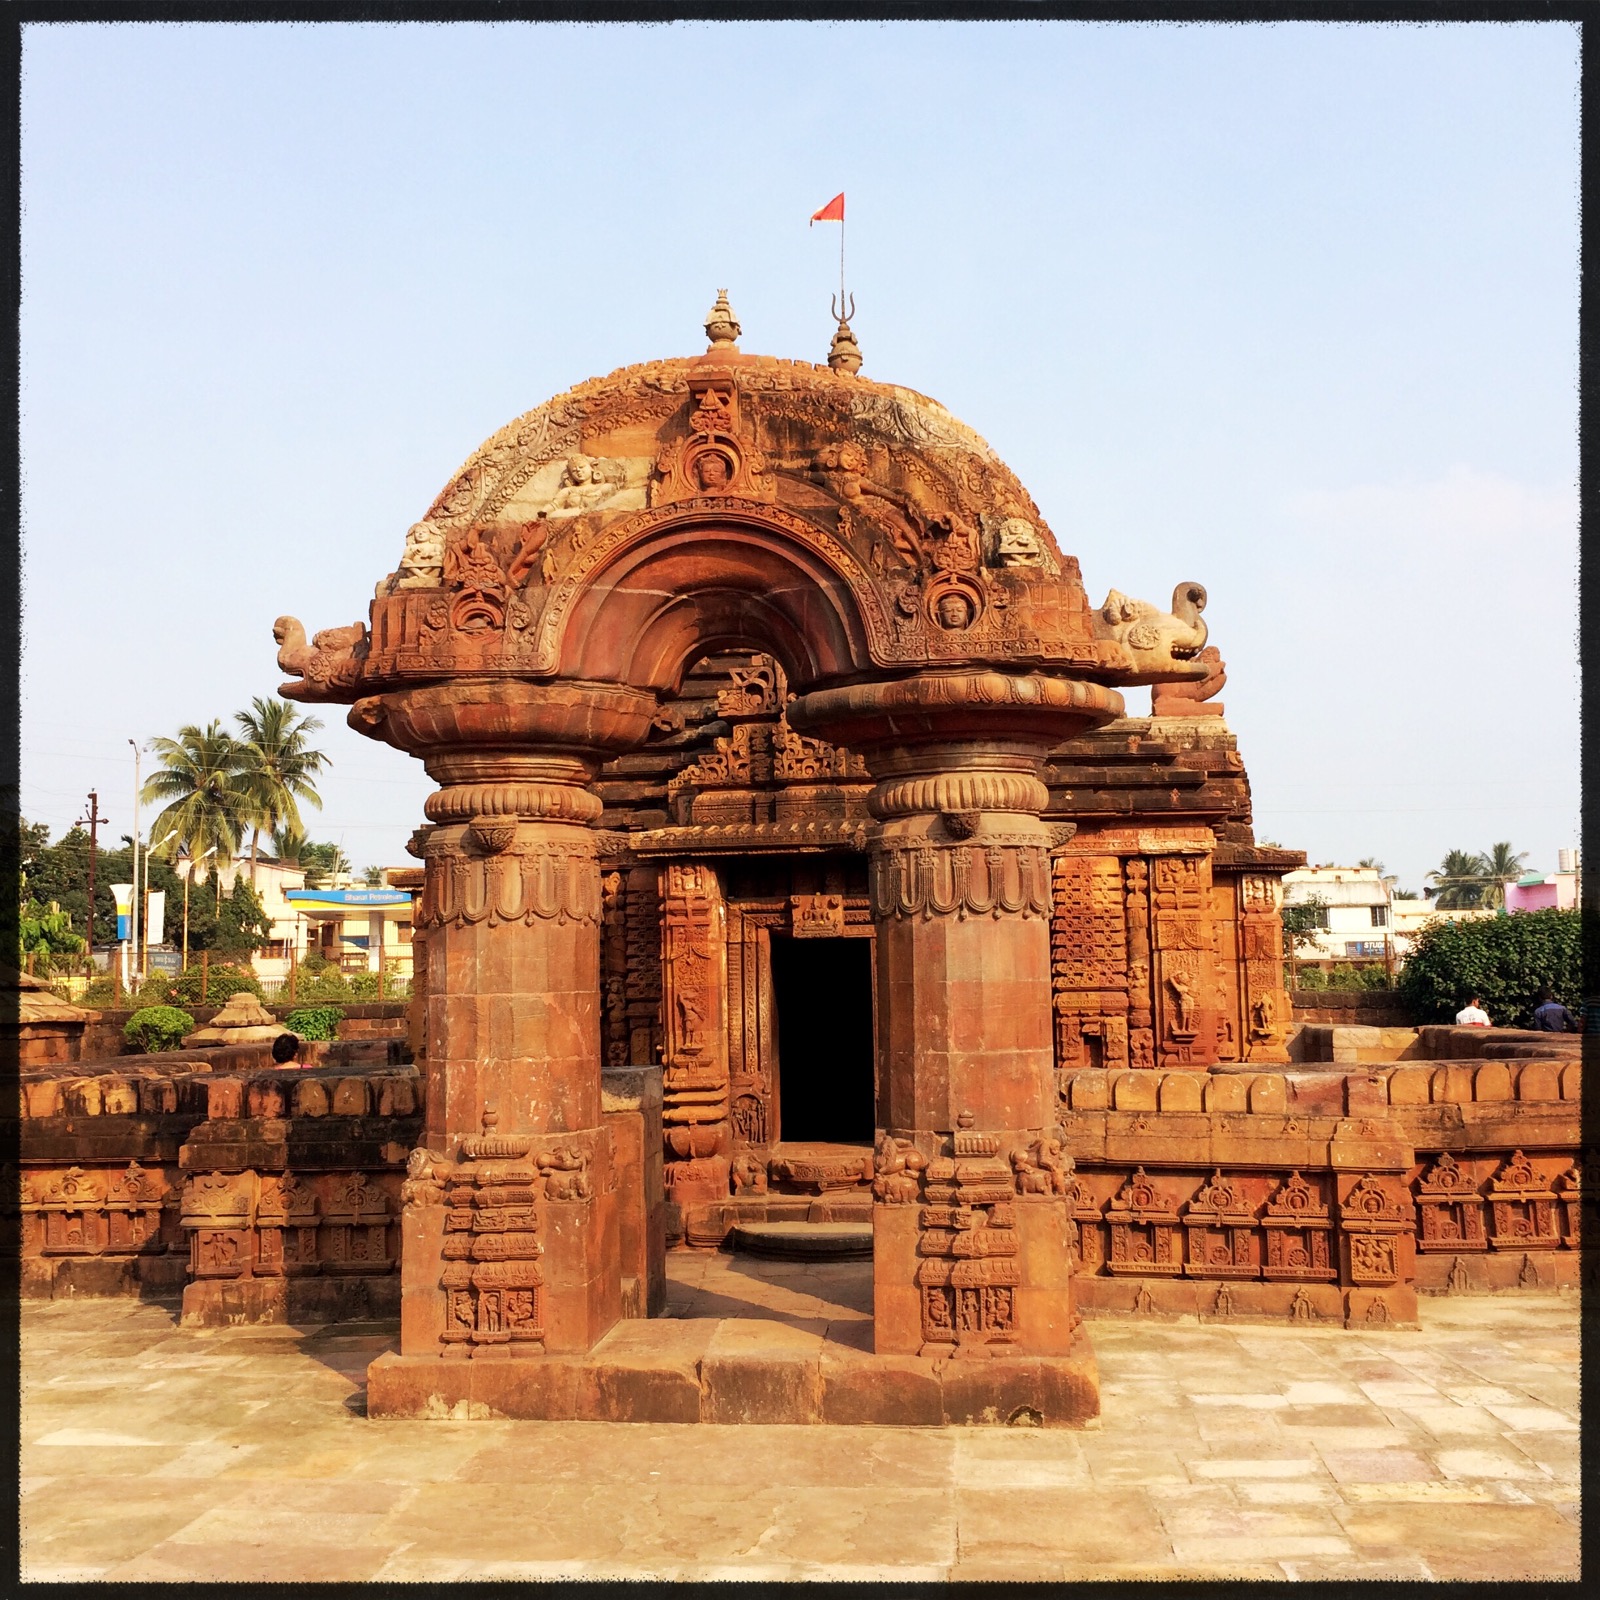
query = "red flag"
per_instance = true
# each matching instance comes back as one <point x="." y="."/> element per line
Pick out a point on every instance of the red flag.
<point x="832" y="212"/>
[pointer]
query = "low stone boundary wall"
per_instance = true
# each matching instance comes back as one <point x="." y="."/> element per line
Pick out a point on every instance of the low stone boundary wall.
<point x="374" y="1019"/>
<point x="1375" y="1008"/>
<point x="1322" y="1196"/>
<point x="262" y="1193"/>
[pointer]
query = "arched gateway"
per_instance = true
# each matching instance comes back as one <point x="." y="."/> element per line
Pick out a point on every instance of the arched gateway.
<point x="729" y="669"/>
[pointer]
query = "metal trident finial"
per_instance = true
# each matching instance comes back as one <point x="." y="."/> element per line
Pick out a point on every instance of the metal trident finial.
<point x="833" y="306"/>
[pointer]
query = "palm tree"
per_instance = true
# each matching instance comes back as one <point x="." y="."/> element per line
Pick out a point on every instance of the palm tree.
<point x="287" y="843"/>
<point x="277" y="768"/>
<point x="1499" y="864"/>
<point x="1459" y="879"/>
<point x="1372" y="863"/>
<point x="199" y="781"/>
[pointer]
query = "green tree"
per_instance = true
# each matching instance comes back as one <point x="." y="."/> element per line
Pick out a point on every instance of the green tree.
<point x="1505" y="961"/>
<point x="1500" y="862"/>
<point x="59" y="872"/>
<point x="1302" y="923"/>
<point x="288" y="841"/>
<point x="322" y="861"/>
<point x="372" y="877"/>
<point x="1459" y="881"/>
<point x="242" y="925"/>
<point x="45" y="933"/>
<point x="200" y="780"/>
<point x="277" y="768"/>
<point x="1373" y="863"/>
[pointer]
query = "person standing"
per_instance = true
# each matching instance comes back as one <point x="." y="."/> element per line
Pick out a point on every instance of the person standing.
<point x="1472" y="1015"/>
<point x="1552" y="1016"/>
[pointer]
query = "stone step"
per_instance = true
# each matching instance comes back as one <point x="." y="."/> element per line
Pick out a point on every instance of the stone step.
<point x="804" y="1241"/>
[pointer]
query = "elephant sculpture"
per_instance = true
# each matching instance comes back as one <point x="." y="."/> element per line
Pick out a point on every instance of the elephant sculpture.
<point x="332" y="658"/>
<point x="1156" y="640"/>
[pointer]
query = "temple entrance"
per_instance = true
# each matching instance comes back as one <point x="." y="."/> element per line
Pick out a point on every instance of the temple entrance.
<point x="822" y="993"/>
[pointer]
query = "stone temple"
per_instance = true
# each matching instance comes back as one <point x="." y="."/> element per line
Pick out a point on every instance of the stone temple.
<point x="795" y="877"/>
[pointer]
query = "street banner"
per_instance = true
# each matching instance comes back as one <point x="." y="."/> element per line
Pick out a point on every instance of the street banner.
<point x="155" y="915"/>
<point x="122" y="893"/>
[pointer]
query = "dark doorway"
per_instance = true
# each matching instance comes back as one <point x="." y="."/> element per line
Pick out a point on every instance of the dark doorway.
<point x="822" y="989"/>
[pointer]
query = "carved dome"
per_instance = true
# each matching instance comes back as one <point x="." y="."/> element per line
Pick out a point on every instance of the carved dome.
<point x="733" y="501"/>
<point x="909" y="444"/>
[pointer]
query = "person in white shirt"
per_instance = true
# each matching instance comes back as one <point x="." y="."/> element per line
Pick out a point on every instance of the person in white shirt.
<point x="1472" y="1015"/>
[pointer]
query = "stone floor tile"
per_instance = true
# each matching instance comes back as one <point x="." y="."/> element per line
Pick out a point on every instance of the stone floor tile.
<point x="248" y="1562"/>
<point x="1135" y="1463"/>
<point x="1486" y="1464"/>
<point x="1284" y="1492"/>
<point x="247" y="1520"/>
<point x="840" y="1528"/>
<point x="1256" y="1467"/>
<point x="1372" y="1568"/>
<point x="1503" y="1536"/>
<point x="1268" y="1547"/>
<point x="1017" y="1525"/>
<point x="1532" y="1419"/>
<point x="1450" y="1421"/>
<point x="1379" y="1466"/>
<point x="1323" y="1394"/>
<point x="1435" y="1491"/>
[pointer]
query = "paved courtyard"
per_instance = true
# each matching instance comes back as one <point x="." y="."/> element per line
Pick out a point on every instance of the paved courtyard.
<point x="158" y="1453"/>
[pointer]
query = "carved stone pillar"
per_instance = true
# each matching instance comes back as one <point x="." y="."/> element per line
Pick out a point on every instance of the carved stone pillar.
<point x="694" y="977"/>
<point x="1264" y="1002"/>
<point x="510" y="1227"/>
<point x="967" y="1259"/>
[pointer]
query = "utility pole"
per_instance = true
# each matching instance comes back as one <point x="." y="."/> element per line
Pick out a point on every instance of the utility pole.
<point x="134" y="926"/>
<point x="94" y="819"/>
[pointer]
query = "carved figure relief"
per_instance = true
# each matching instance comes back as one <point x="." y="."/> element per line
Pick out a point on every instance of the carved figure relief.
<point x="897" y="1171"/>
<point x="586" y="485"/>
<point x="694" y="1047"/>
<point x="1144" y="1227"/>
<point x="1522" y="1204"/>
<point x="1449" y="1208"/>
<point x="967" y="1245"/>
<point x="422" y="560"/>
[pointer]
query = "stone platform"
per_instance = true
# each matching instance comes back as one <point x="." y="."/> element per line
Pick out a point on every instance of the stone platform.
<point x="734" y="1370"/>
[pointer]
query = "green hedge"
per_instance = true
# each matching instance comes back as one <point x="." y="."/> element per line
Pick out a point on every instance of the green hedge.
<point x="1504" y="960"/>
<point x="157" y="1028"/>
<point x="315" y="1022"/>
<point x="223" y="981"/>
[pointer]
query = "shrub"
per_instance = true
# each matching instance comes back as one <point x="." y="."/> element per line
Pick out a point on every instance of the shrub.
<point x="1504" y="960"/>
<point x="222" y="982"/>
<point x="156" y="990"/>
<point x="315" y="1022"/>
<point x="327" y="983"/>
<point x="157" y="1028"/>
<point x="364" y="985"/>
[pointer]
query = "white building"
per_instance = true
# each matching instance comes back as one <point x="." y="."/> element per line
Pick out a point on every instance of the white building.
<point x="1364" y="921"/>
<point x="358" y="927"/>
<point x="1358" y="922"/>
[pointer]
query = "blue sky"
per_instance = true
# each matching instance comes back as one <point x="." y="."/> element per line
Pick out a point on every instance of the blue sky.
<point x="1287" y="309"/>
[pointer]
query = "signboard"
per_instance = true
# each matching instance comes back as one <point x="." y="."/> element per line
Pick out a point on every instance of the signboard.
<point x="155" y="915"/>
<point x="165" y="960"/>
<point x="122" y="893"/>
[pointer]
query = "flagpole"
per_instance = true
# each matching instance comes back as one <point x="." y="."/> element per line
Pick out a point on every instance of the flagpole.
<point x="841" y="266"/>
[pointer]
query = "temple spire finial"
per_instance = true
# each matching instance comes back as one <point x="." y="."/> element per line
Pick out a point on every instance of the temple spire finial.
<point x="722" y="327"/>
<point x="844" y="354"/>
